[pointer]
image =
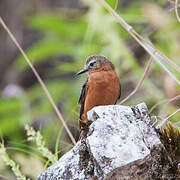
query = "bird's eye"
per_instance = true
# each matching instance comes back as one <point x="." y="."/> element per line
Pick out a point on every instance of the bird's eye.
<point x="91" y="64"/>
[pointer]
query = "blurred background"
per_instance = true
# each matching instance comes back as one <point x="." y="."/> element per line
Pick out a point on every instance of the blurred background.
<point x="58" y="36"/>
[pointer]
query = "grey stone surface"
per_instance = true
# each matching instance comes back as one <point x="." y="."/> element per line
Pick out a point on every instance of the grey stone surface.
<point x="118" y="140"/>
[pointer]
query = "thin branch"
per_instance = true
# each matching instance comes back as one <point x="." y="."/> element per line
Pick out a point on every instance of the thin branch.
<point x="164" y="101"/>
<point x="171" y="1"/>
<point x="160" y="57"/>
<point x="166" y="119"/>
<point x="156" y="54"/>
<point x="40" y="81"/>
<point x="173" y="8"/>
<point x="176" y="11"/>
<point x="173" y="99"/>
<point x="140" y="82"/>
<point x="116" y="5"/>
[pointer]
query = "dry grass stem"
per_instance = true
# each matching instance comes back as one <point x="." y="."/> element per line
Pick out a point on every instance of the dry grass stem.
<point x="173" y="99"/>
<point x="156" y="54"/>
<point x="176" y="11"/>
<point x="116" y="5"/>
<point x="171" y="1"/>
<point x="140" y="82"/>
<point x="164" y="102"/>
<point x="40" y="81"/>
<point x="166" y="119"/>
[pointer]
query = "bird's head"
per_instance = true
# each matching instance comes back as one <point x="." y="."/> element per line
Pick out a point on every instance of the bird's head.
<point x="96" y="63"/>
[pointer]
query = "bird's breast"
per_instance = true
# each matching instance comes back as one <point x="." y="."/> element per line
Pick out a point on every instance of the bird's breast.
<point x="103" y="89"/>
<point x="102" y="78"/>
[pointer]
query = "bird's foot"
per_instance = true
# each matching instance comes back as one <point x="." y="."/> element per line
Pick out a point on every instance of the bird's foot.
<point x="83" y="124"/>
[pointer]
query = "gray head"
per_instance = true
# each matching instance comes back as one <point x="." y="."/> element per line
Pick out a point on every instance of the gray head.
<point x="95" y="62"/>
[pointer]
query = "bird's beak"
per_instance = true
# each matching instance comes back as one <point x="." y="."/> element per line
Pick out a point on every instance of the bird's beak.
<point x="82" y="71"/>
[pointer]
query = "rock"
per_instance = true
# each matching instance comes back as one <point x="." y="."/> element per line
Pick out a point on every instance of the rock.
<point x="120" y="143"/>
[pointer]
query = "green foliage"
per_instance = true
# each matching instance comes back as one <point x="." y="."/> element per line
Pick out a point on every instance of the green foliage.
<point x="60" y="37"/>
<point x="94" y="32"/>
<point x="11" y="113"/>
<point x="9" y="162"/>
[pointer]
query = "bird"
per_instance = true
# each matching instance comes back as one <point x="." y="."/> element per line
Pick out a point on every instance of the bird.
<point x="102" y="86"/>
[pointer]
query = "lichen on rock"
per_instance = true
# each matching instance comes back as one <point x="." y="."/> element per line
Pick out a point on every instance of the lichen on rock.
<point x="120" y="142"/>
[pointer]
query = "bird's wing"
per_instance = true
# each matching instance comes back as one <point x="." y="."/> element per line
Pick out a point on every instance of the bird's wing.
<point x="119" y="94"/>
<point x="82" y="98"/>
